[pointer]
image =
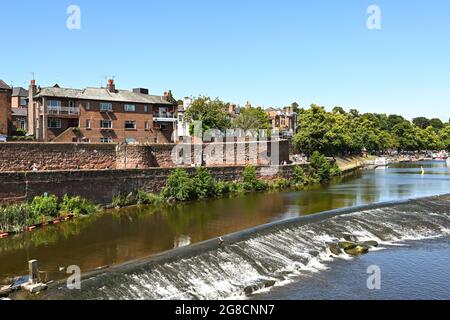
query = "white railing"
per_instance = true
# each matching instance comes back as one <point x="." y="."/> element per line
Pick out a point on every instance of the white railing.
<point x="62" y="110"/>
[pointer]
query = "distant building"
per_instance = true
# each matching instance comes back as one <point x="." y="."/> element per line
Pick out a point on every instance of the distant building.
<point x="5" y="109"/>
<point x="182" y="124"/>
<point x="99" y="115"/>
<point x="19" y="109"/>
<point x="283" y="120"/>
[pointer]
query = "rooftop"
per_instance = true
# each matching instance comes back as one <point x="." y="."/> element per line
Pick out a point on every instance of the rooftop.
<point x="19" y="92"/>
<point x="102" y="94"/>
<point x="19" y="112"/>
<point x="4" y="86"/>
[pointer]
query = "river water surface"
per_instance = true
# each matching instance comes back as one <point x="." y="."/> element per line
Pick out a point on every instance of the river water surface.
<point x="119" y="236"/>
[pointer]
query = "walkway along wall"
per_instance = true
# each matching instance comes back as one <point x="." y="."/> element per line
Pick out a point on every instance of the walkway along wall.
<point x="101" y="185"/>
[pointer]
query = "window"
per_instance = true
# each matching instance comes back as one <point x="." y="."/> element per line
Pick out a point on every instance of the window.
<point x="23" y="101"/>
<point x="106" y="124"/>
<point x="129" y="108"/>
<point x="145" y="109"/>
<point x="146" y="125"/>
<point x="22" y="123"/>
<point x="54" y="123"/>
<point x="130" y="125"/>
<point x="71" y="104"/>
<point x="130" y="140"/>
<point x="88" y="106"/>
<point x="54" y="103"/>
<point x="106" y="106"/>
<point x="88" y="124"/>
<point x="106" y="140"/>
<point x="162" y="112"/>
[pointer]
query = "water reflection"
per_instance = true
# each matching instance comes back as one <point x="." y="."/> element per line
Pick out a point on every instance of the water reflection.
<point x="118" y="236"/>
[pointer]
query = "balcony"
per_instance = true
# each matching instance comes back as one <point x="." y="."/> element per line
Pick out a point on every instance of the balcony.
<point x="164" y="117"/>
<point x="62" y="111"/>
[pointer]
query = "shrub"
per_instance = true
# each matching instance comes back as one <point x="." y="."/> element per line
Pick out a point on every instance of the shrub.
<point x="120" y="200"/>
<point x="203" y="183"/>
<point x="179" y="186"/>
<point x="145" y="198"/>
<point x="77" y="206"/>
<point x="299" y="175"/>
<point x="20" y="132"/>
<point x="321" y="166"/>
<point x="251" y="182"/>
<point x="17" y="216"/>
<point x="281" y="184"/>
<point x="45" y="206"/>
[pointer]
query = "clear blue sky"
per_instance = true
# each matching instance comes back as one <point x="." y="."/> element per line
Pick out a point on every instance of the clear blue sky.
<point x="269" y="52"/>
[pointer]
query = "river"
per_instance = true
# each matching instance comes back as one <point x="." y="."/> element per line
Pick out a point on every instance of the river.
<point x="116" y="237"/>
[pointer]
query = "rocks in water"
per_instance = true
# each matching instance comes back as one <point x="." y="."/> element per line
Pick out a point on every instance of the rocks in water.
<point x="351" y="248"/>
<point x="370" y="243"/>
<point x="350" y="237"/>
<point x="357" y="250"/>
<point x="258" y="286"/>
<point x="314" y="253"/>
<point x="345" y="245"/>
<point x="335" y="248"/>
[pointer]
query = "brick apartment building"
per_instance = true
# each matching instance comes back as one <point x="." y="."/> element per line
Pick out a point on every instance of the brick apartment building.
<point x="5" y="108"/>
<point x="96" y="115"/>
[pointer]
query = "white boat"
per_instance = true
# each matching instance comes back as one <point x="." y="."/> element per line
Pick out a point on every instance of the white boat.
<point x="381" y="162"/>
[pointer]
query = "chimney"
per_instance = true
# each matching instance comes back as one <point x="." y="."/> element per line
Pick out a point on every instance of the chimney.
<point x="141" y="91"/>
<point x="32" y="114"/>
<point x="111" y="86"/>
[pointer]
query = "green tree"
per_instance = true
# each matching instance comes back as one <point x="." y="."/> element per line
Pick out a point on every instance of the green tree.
<point x="252" y="118"/>
<point x="213" y="114"/>
<point x="338" y="109"/>
<point x="421" y="122"/>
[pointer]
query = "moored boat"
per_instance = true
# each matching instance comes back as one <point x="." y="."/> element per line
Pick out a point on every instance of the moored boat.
<point x="381" y="162"/>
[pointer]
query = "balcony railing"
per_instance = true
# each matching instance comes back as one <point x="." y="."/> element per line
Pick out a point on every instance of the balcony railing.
<point x="68" y="111"/>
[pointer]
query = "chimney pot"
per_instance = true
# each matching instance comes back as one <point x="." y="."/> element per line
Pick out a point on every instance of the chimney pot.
<point x="33" y="82"/>
<point x="111" y="86"/>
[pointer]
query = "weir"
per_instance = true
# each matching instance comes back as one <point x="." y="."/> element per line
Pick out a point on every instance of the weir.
<point x="260" y="257"/>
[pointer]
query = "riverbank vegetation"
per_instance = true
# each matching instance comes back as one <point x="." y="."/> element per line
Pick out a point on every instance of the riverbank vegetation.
<point x="180" y="187"/>
<point x="43" y="209"/>
<point x="339" y="132"/>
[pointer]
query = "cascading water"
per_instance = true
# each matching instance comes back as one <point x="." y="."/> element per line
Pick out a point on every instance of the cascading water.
<point x="265" y="256"/>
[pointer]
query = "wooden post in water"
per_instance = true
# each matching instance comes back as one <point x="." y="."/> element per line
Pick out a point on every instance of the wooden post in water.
<point x="33" y="272"/>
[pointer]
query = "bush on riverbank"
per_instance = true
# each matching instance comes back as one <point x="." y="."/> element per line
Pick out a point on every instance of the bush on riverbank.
<point x="251" y="182"/>
<point x="202" y="185"/>
<point x="322" y="169"/>
<point x="16" y="217"/>
<point x="77" y="206"/>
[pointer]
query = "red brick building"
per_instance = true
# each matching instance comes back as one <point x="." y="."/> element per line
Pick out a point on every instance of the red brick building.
<point x="99" y="115"/>
<point x="19" y="110"/>
<point x="5" y="108"/>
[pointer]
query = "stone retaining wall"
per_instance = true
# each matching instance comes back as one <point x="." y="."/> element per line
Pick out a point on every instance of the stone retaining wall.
<point x="23" y="156"/>
<point x="101" y="185"/>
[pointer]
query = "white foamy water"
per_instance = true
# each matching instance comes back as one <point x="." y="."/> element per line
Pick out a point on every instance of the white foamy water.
<point x="273" y="257"/>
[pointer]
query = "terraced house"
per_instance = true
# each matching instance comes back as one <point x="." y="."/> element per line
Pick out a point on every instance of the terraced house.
<point x="103" y="115"/>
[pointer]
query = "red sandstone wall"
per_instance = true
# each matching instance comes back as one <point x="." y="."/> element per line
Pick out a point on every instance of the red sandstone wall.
<point x="54" y="156"/>
<point x="21" y="156"/>
<point x="101" y="185"/>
